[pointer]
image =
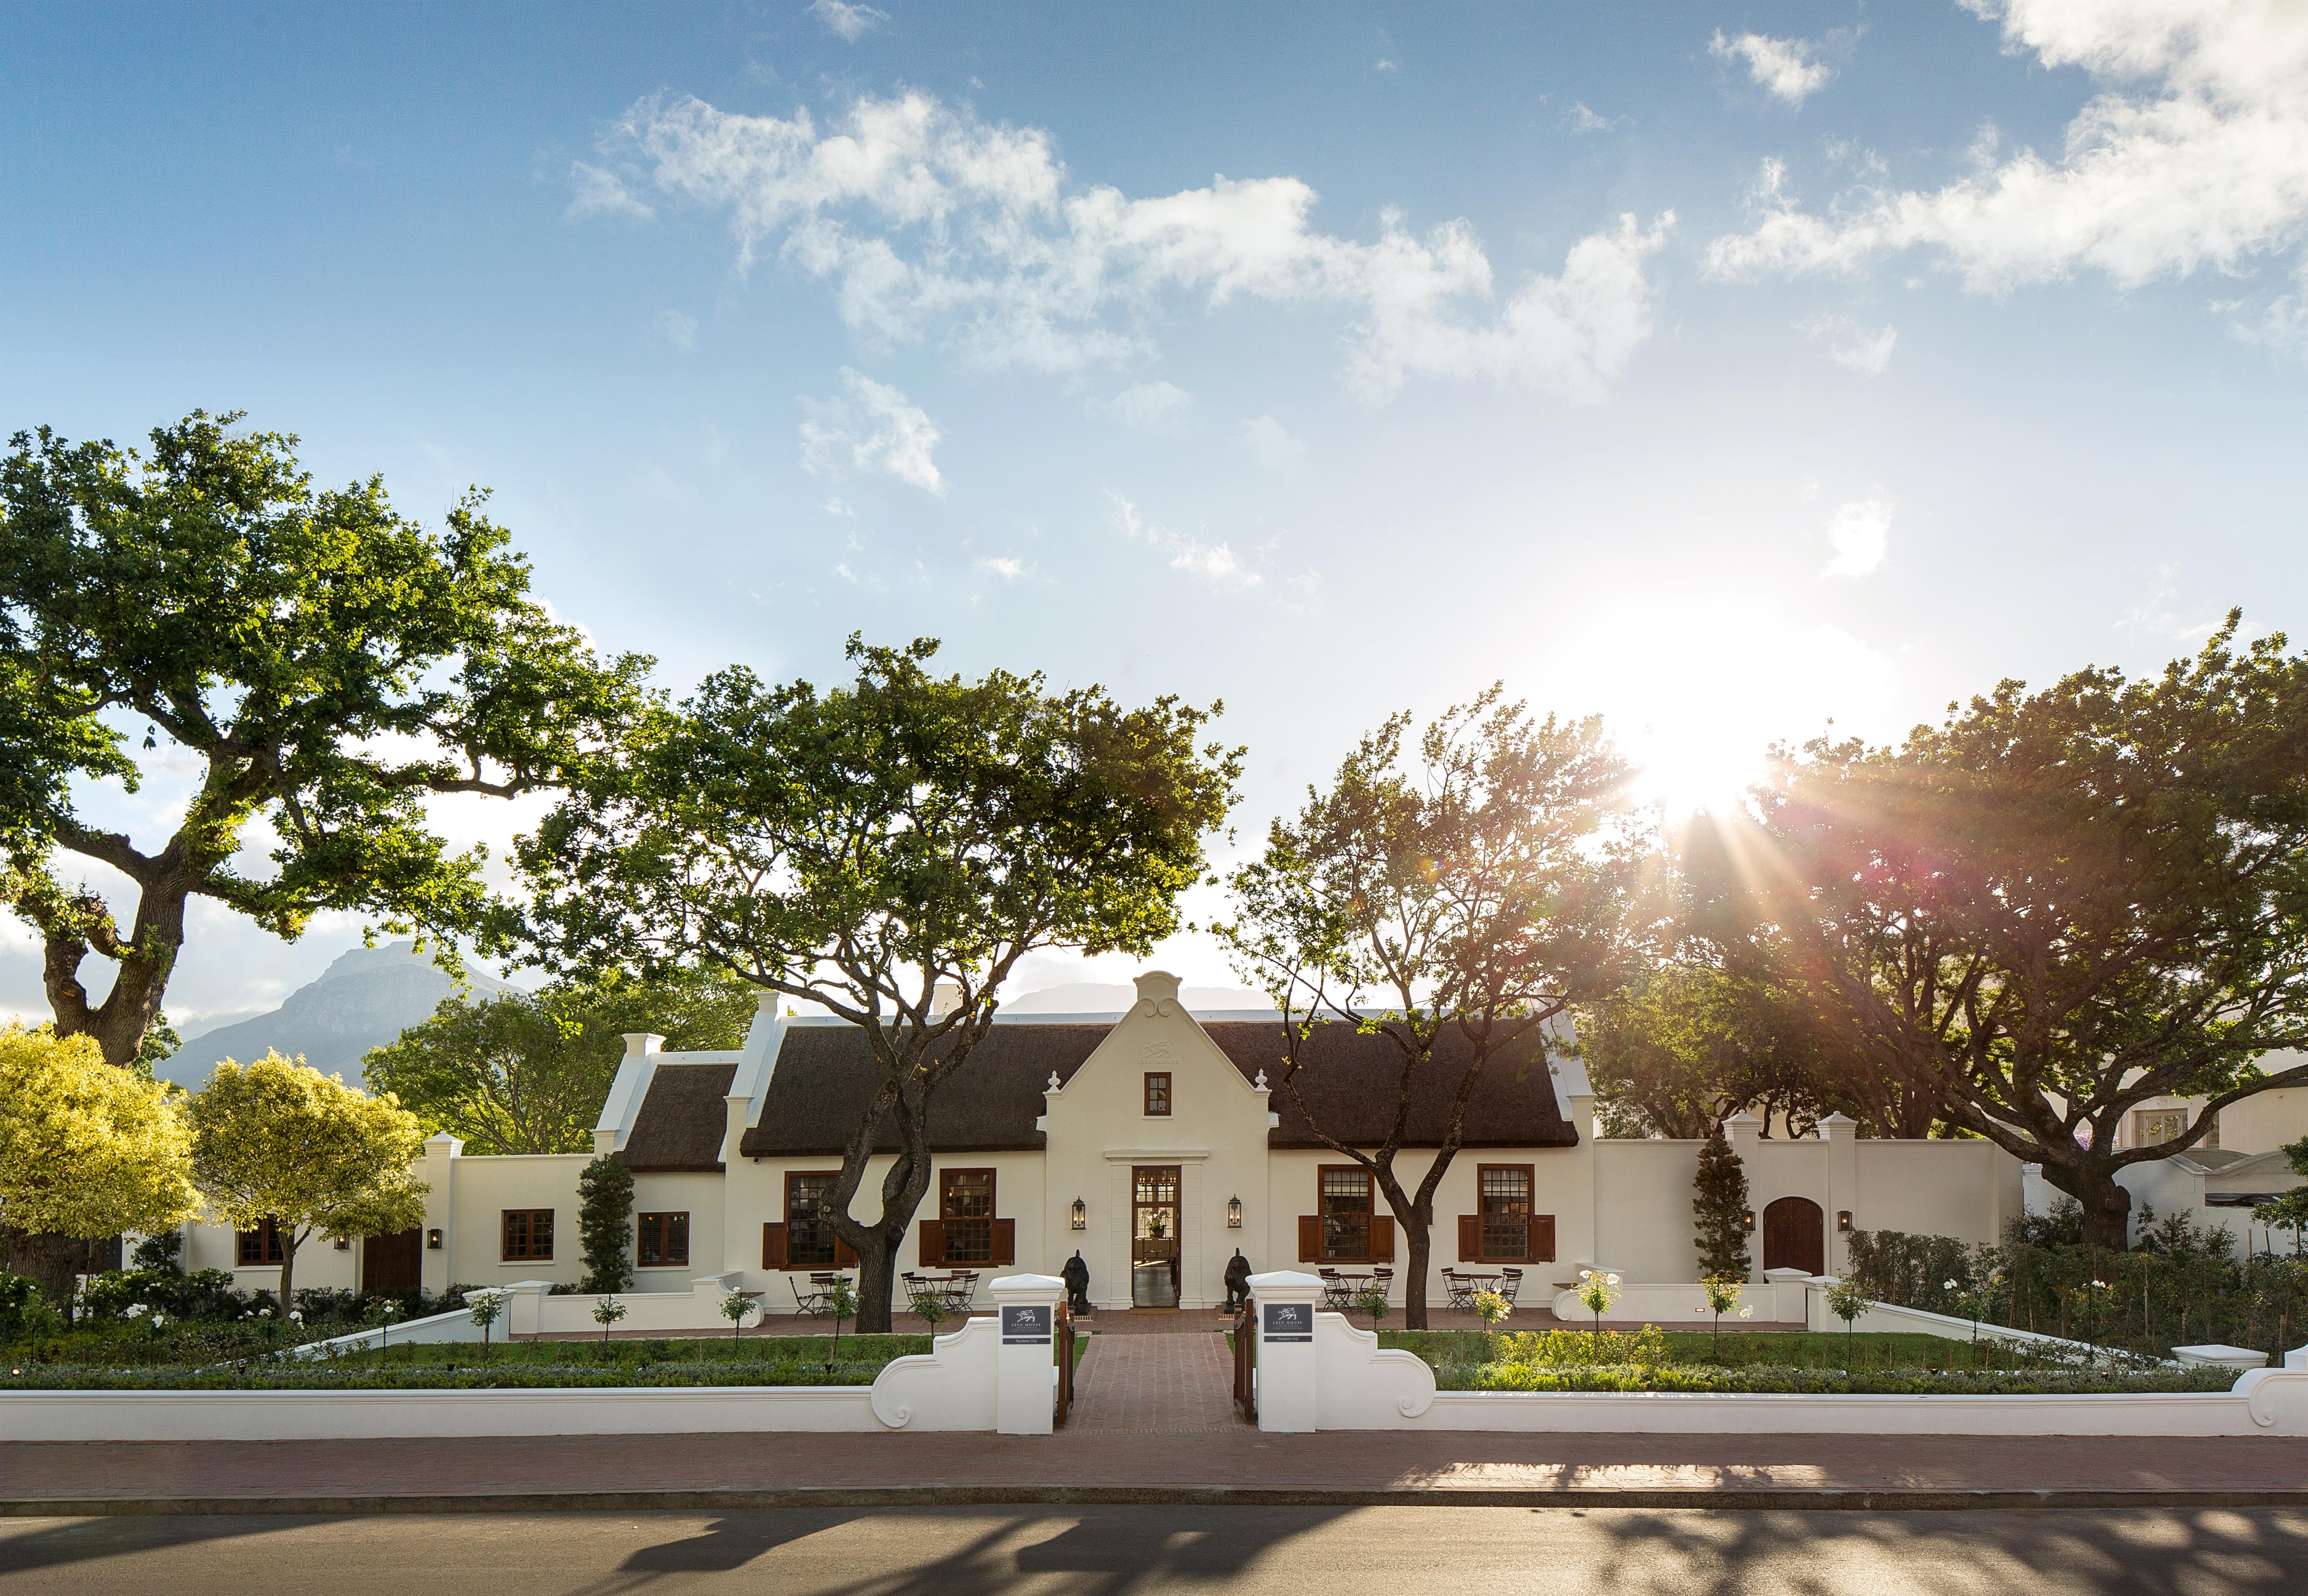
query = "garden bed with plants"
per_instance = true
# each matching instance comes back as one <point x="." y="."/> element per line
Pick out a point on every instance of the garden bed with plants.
<point x="199" y="1358"/>
<point x="1780" y="1362"/>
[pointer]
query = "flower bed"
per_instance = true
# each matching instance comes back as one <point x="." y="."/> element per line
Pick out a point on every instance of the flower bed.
<point x="1766" y="1377"/>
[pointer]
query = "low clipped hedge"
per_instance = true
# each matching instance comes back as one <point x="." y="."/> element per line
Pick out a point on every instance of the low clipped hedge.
<point x="473" y="1375"/>
<point x="1760" y="1379"/>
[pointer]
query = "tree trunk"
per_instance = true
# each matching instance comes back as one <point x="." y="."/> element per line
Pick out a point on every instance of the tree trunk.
<point x="877" y="1269"/>
<point x="2107" y="1208"/>
<point x="288" y="1269"/>
<point x="49" y="1259"/>
<point x="1418" y="1245"/>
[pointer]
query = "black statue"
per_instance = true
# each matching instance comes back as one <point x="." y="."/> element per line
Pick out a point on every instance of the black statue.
<point x="1076" y="1274"/>
<point x="1238" y="1282"/>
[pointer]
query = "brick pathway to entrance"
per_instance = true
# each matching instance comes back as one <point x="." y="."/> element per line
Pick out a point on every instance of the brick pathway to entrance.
<point x="1154" y="1385"/>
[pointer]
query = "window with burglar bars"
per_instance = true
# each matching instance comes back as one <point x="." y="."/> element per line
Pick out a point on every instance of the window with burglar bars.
<point x="1346" y="1215"/>
<point x="529" y="1234"/>
<point x="664" y="1239"/>
<point x="1506" y="1210"/>
<point x="966" y="1205"/>
<point x="809" y="1219"/>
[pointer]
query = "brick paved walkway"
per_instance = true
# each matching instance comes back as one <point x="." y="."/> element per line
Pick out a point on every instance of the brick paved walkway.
<point x="636" y="1472"/>
<point x="1154" y="1385"/>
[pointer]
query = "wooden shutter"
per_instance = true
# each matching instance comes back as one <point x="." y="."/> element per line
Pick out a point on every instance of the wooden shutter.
<point x="1382" y="1239"/>
<point x="1005" y="1241"/>
<point x="1471" y="1238"/>
<point x="1310" y="1239"/>
<point x="773" y="1246"/>
<point x="1542" y="1238"/>
<point x="933" y="1242"/>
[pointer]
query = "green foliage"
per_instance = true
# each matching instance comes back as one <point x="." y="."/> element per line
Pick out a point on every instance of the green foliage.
<point x="605" y="1223"/>
<point x="528" y="1072"/>
<point x="324" y="665"/>
<point x="2049" y="909"/>
<point x="86" y="1150"/>
<point x="1719" y="1208"/>
<point x="856" y="847"/>
<point x="25" y="1310"/>
<point x="1538" y="1376"/>
<point x="275" y="1139"/>
<point x="1645" y="1348"/>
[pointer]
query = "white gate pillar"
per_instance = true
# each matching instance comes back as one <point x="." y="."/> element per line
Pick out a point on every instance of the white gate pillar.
<point x="1025" y="1377"/>
<point x="1284" y="1301"/>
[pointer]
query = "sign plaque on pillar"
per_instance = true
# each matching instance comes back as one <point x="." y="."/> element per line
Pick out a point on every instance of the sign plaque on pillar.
<point x="1025" y="1324"/>
<point x="1287" y="1322"/>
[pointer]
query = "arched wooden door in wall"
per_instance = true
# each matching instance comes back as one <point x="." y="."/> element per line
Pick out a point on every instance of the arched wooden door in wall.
<point x="1794" y="1236"/>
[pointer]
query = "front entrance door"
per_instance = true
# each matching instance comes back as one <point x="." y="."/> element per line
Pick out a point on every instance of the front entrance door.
<point x="1154" y="1235"/>
<point x="394" y="1263"/>
<point x="1794" y="1236"/>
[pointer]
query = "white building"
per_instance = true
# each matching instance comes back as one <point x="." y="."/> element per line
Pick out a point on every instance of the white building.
<point x="1154" y="1144"/>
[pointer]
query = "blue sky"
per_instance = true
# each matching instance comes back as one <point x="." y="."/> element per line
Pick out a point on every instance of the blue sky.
<point x="1722" y="368"/>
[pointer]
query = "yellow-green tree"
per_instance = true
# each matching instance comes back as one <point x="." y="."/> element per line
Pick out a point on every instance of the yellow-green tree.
<point x="86" y="1148"/>
<point x="277" y="1139"/>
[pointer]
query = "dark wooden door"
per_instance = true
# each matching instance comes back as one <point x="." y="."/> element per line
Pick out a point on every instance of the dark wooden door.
<point x="394" y="1263"/>
<point x="1794" y="1236"/>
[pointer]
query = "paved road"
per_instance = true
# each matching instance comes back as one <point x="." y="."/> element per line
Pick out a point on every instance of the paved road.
<point x="1368" y="1551"/>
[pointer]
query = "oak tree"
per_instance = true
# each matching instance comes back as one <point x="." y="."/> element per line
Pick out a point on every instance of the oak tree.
<point x="2052" y="908"/>
<point x="854" y="847"/>
<point x="1479" y="881"/>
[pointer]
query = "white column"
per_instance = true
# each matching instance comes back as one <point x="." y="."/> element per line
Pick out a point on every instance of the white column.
<point x="1025" y="1373"/>
<point x="1285" y="1301"/>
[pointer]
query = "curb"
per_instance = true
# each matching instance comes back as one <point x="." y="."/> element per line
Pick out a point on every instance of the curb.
<point x="1739" y="1498"/>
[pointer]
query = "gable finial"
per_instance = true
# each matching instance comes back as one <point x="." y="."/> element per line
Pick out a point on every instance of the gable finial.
<point x="1054" y="1080"/>
<point x="1260" y="1082"/>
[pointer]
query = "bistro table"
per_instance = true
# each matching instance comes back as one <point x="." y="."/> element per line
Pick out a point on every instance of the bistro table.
<point x="1340" y="1288"/>
<point x="1463" y="1287"/>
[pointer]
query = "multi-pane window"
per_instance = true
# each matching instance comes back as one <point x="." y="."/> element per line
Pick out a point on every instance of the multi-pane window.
<point x="1346" y="1215"/>
<point x="1158" y="1092"/>
<point x="809" y="1219"/>
<point x="1506" y="1210"/>
<point x="664" y="1239"/>
<point x="966" y="1206"/>
<point x="261" y="1245"/>
<point x="529" y="1234"/>
<point x="2151" y="1127"/>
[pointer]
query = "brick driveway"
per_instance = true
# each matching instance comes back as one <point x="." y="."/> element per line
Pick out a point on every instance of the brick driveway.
<point x="1154" y="1385"/>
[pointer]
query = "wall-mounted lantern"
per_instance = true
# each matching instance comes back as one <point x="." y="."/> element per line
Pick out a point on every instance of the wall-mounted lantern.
<point x="344" y="1244"/>
<point x="1747" y="1223"/>
<point x="433" y="1240"/>
<point x="1081" y="1214"/>
<point x="1843" y="1221"/>
<point x="1234" y="1213"/>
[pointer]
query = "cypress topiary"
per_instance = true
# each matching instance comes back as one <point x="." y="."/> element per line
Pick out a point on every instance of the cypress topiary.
<point x="1720" y="1209"/>
<point x="605" y="1223"/>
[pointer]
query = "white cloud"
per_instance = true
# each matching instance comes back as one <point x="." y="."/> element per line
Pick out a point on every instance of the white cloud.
<point x="674" y="330"/>
<point x="2282" y="324"/>
<point x="1579" y="119"/>
<point x="1269" y="443"/>
<point x="2193" y="154"/>
<point x="839" y="506"/>
<point x="850" y="22"/>
<point x="873" y="427"/>
<point x="1006" y="568"/>
<point x="845" y="573"/>
<point x="1384" y="65"/>
<point x="596" y="191"/>
<point x="1789" y="68"/>
<point x="1151" y="407"/>
<point x="1861" y="532"/>
<point x="1215" y="566"/>
<point x="929" y="225"/>
<point x="1850" y="345"/>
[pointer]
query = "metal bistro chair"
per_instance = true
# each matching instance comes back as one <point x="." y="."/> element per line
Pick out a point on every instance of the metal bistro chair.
<point x="1460" y="1288"/>
<point x="810" y="1298"/>
<point x="1334" y="1289"/>
<point x="1510" y="1282"/>
<point x="1383" y="1277"/>
<point x="960" y="1288"/>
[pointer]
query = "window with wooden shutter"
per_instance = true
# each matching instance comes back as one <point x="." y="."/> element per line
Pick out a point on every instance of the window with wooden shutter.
<point x="1346" y="1199"/>
<point x="810" y="1241"/>
<point x="1471" y="1238"/>
<point x="966" y="1210"/>
<point x="1310" y="1239"/>
<point x="1506" y="1193"/>
<point x="773" y="1246"/>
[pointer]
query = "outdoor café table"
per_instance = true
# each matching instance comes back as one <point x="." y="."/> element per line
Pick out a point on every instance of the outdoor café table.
<point x="1345" y="1288"/>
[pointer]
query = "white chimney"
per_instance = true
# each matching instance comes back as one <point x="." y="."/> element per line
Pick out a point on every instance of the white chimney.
<point x="945" y="999"/>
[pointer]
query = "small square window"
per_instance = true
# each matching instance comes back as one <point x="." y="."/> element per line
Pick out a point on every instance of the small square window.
<point x="664" y="1240"/>
<point x="529" y="1236"/>
<point x="1157" y="1093"/>
<point x="261" y="1245"/>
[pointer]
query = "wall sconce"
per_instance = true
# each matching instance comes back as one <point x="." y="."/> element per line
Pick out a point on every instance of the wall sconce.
<point x="1747" y="1223"/>
<point x="1234" y="1213"/>
<point x="344" y="1244"/>
<point x="1081" y="1214"/>
<point x="433" y="1241"/>
<point x="1843" y="1221"/>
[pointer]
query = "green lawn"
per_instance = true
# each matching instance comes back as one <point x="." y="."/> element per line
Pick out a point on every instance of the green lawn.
<point x="1788" y="1348"/>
